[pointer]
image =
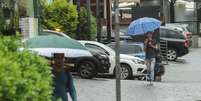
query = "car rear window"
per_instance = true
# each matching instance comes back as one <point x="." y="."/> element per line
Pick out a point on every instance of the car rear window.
<point x="166" y="33"/>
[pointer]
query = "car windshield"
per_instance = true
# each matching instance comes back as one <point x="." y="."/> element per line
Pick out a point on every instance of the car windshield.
<point x="101" y="47"/>
<point x="129" y="49"/>
<point x="96" y="51"/>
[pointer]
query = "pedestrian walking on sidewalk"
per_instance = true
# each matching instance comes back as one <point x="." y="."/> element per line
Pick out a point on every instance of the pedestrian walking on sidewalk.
<point x="150" y="55"/>
<point x="63" y="81"/>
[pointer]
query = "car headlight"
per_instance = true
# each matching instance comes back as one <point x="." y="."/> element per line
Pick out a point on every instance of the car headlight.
<point x="138" y="61"/>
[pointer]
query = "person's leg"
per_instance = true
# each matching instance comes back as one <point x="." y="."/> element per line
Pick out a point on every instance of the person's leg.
<point x="148" y="63"/>
<point x="152" y="65"/>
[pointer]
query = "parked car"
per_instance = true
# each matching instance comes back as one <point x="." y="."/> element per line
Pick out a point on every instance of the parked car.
<point x="183" y="28"/>
<point x="87" y="66"/>
<point x="178" y="26"/>
<point x="177" y="43"/>
<point x="131" y="48"/>
<point x="129" y="64"/>
<point x="103" y="60"/>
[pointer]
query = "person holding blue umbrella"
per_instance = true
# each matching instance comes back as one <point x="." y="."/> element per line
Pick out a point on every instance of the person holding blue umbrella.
<point x="146" y="25"/>
<point x="150" y="57"/>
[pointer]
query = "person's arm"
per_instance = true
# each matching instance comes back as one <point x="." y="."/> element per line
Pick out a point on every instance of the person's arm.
<point x="71" y="88"/>
<point x="145" y="44"/>
<point x="153" y="46"/>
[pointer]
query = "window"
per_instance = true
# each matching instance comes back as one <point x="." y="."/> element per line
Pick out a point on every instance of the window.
<point x="163" y="33"/>
<point x="166" y="33"/>
<point x="130" y="49"/>
<point x="92" y="46"/>
<point x="175" y="35"/>
<point x="50" y="33"/>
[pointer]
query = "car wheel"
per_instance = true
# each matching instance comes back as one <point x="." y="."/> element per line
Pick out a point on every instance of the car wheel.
<point x="172" y="54"/>
<point x="87" y="69"/>
<point x="125" y="71"/>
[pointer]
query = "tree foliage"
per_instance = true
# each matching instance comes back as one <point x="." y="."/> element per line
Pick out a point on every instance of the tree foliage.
<point x="9" y="19"/>
<point x="22" y="8"/>
<point x="84" y="25"/>
<point x="60" y="14"/>
<point x="24" y="76"/>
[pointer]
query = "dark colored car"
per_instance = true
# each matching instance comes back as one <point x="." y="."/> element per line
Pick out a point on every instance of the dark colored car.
<point x="177" y="45"/>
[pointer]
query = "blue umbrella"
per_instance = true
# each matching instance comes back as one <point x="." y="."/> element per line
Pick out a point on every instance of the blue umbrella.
<point x="143" y="25"/>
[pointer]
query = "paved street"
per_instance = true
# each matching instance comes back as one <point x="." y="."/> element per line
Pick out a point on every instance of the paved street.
<point x="182" y="82"/>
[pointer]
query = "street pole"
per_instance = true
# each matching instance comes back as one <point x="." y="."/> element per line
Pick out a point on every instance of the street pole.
<point x="98" y="20"/>
<point x="89" y="15"/>
<point x="118" y="80"/>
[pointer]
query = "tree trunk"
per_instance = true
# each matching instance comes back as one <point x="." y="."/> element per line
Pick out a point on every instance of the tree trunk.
<point x="78" y="33"/>
<point x="89" y="15"/>
<point x="98" y="19"/>
<point x="172" y="11"/>
<point x="109" y="22"/>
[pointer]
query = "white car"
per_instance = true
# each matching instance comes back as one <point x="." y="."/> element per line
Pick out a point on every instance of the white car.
<point x="129" y="64"/>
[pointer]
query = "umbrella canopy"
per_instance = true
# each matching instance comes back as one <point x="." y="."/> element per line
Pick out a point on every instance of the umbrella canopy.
<point x="49" y="44"/>
<point x="143" y="25"/>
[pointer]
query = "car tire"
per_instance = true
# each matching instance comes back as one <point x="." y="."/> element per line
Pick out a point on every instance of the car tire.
<point x="87" y="70"/>
<point x="172" y="54"/>
<point x="126" y="72"/>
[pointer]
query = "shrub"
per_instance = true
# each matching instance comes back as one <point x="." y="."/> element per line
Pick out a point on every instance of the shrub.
<point x="84" y="25"/>
<point x="24" y="76"/>
<point x="60" y="14"/>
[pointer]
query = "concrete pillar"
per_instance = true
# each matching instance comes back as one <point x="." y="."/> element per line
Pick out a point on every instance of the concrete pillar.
<point x="199" y="42"/>
<point x="195" y="39"/>
<point x="166" y="10"/>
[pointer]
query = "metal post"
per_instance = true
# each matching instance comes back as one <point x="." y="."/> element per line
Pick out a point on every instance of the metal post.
<point x="98" y="19"/>
<point x="118" y="80"/>
<point x="89" y="15"/>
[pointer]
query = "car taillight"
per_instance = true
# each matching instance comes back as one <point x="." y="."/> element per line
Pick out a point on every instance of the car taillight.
<point x="186" y="42"/>
<point x="188" y="33"/>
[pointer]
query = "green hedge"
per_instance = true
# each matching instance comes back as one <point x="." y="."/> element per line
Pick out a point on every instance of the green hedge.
<point x="23" y="75"/>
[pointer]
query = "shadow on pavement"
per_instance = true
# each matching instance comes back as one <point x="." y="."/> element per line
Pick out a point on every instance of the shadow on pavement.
<point x="180" y="61"/>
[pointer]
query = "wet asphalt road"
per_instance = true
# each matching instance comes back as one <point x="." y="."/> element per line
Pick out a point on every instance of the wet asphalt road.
<point x="181" y="82"/>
